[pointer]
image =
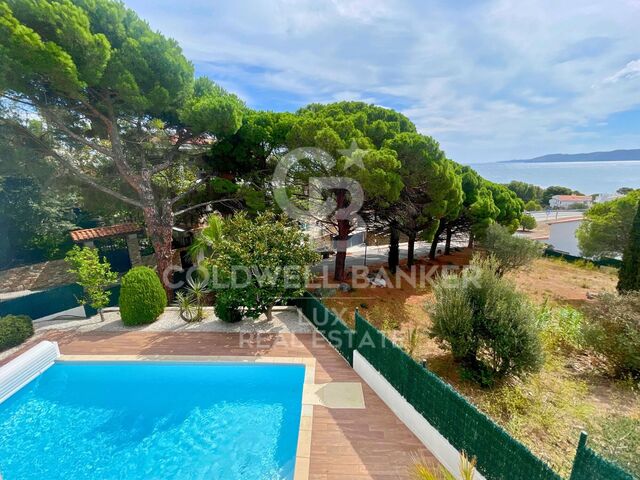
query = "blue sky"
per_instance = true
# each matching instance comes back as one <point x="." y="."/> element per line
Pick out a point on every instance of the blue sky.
<point x="490" y="79"/>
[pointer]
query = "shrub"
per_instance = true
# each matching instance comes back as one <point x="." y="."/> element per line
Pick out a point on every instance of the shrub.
<point x="227" y="309"/>
<point x="93" y="275"/>
<point x="14" y="329"/>
<point x="528" y="222"/>
<point x="511" y="252"/>
<point x="532" y="206"/>
<point x="613" y="330"/>
<point x="561" y="327"/>
<point x="488" y="326"/>
<point x="259" y="262"/>
<point x="142" y="298"/>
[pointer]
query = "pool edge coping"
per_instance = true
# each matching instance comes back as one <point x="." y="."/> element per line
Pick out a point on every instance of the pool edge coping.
<point x="303" y="448"/>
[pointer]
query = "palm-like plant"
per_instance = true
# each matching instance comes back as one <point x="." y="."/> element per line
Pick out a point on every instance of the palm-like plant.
<point x="207" y="238"/>
<point x="428" y="470"/>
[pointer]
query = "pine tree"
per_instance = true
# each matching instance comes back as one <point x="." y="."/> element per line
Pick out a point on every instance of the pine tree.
<point x="629" y="276"/>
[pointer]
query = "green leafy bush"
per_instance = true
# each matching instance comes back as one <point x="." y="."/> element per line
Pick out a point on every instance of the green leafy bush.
<point x="613" y="331"/>
<point x="93" y="274"/>
<point x="511" y="252"/>
<point x="488" y="326"/>
<point x="142" y="298"/>
<point x="227" y="308"/>
<point x="257" y="263"/>
<point x="14" y="329"/>
<point x="561" y="327"/>
<point x="528" y="222"/>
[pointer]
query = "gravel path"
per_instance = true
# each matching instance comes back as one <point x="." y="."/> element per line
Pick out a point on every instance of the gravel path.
<point x="285" y="320"/>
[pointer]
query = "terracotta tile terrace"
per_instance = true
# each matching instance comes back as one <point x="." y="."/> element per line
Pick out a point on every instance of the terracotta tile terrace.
<point x="345" y="443"/>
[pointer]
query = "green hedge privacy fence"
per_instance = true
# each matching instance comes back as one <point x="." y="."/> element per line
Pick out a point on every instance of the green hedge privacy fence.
<point x="329" y="324"/>
<point x="603" y="262"/>
<point x="589" y="465"/>
<point x="499" y="456"/>
<point x="48" y="302"/>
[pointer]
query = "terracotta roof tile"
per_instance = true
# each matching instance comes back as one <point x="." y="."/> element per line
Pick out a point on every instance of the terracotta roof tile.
<point x="104" y="232"/>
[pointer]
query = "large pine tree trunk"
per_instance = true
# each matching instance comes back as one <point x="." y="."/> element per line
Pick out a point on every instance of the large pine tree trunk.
<point x="394" y="249"/>
<point x="411" y="249"/>
<point x="447" y="246"/>
<point x="159" y="223"/>
<point x="344" y="227"/>
<point x="434" y="243"/>
<point x="341" y="253"/>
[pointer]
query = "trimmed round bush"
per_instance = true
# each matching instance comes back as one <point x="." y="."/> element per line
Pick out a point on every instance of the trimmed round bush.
<point x="14" y="329"/>
<point x="142" y="298"/>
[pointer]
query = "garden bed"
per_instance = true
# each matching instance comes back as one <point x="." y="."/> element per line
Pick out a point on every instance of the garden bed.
<point x="546" y="410"/>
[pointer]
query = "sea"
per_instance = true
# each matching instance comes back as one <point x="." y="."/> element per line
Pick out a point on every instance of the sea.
<point x="586" y="177"/>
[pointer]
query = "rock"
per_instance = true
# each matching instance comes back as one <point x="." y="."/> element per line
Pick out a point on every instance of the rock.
<point x="344" y="287"/>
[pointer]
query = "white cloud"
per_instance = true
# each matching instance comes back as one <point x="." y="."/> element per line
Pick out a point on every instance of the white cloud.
<point x="491" y="80"/>
<point x="630" y="70"/>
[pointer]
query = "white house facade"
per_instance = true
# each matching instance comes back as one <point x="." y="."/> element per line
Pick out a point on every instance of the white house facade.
<point x="566" y="201"/>
<point x="562" y="236"/>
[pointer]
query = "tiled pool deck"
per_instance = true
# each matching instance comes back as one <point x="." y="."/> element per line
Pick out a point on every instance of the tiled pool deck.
<point x="354" y="444"/>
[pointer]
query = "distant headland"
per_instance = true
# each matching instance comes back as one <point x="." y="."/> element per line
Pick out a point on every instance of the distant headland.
<point x="612" y="156"/>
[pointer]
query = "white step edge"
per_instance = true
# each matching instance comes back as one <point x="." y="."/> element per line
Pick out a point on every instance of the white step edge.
<point x="439" y="446"/>
<point x="27" y="366"/>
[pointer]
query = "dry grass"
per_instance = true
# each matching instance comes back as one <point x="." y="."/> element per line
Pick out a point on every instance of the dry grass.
<point x="547" y="410"/>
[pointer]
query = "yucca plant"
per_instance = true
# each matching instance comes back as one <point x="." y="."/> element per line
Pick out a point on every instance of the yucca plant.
<point x="423" y="469"/>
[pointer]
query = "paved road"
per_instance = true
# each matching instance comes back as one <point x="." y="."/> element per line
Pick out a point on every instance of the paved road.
<point x="557" y="215"/>
<point x="378" y="255"/>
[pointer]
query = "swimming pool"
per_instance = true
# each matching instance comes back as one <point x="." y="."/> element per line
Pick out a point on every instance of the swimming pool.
<point x="143" y="420"/>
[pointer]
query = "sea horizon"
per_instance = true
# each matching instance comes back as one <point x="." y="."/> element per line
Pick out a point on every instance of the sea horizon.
<point x="591" y="176"/>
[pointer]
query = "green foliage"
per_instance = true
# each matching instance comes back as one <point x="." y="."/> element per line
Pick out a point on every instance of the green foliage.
<point x="528" y="222"/>
<point x="261" y="137"/>
<point x="259" y="262"/>
<point x="561" y="327"/>
<point x="510" y="207"/>
<point x="14" y="329"/>
<point x="34" y="222"/>
<point x="334" y="127"/>
<point x="432" y="188"/>
<point x="510" y="252"/>
<point x="208" y="237"/>
<point x="629" y="275"/>
<point x="142" y="298"/>
<point x="532" y="206"/>
<point x="478" y="209"/>
<point x="93" y="275"/>
<point x="526" y="191"/>
<point x="606" y="228"/>
<point x="486" y="324"/>
<point x="228" y="307"/>
<point x="613" y="331"/>
<point x="191" y="301"/>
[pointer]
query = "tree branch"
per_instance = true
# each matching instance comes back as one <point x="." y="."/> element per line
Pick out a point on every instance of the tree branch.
<point x="46" y="149"/>
<point x="188" y="191"/>
<point x="204" y="204"/>
<point x="50" y="116"/>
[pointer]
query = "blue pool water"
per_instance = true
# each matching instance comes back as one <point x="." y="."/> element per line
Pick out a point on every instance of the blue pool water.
<point x="164" y="421"/>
